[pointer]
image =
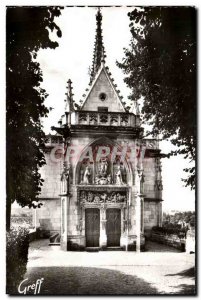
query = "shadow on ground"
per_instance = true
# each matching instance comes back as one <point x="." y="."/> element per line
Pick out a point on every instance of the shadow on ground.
<point x="151" y="246"/>
<point x="186" y="289"/>
<point x="87" y="281"/>
<point x="186" y="273"/>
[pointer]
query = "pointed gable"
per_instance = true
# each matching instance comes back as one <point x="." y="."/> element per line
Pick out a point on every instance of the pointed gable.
<point x="103" y="95"/>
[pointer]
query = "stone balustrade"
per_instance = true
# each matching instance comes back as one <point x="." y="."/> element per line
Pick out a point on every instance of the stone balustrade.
<point x="104" y="119"/>
<point x="52" y="140"/>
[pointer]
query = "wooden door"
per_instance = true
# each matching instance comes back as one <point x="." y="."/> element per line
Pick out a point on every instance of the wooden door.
<point x="113" y="227"/>
<point x="92" y="227"/>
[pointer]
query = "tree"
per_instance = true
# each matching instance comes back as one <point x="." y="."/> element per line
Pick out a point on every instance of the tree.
<point x="160" y="67"/>
<point x="27" y="30"/>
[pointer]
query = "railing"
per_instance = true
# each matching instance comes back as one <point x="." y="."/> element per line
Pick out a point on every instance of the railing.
<point x="53" y="139"/>
<point x="104" y="119"/>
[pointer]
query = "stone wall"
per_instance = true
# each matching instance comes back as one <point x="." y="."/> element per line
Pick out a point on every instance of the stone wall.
<point x="152" y="215"/>
<point x="170" y="240"/>
<point x="48" y="216"/>
<point x="51" y="173"/>
<point x="150" y="177"/>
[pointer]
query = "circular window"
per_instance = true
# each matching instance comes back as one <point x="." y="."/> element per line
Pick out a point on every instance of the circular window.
<point x="102" y="96"/>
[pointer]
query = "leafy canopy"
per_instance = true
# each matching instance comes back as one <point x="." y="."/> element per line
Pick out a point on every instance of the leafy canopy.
<point x="27" y="30"/>
<point x="160" y="66"/>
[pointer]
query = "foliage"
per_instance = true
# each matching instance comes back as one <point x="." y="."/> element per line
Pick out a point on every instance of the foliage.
<point x="182" y="218"/>
<point x="17" y="244"/>
<point x="169" y="230"/>
<point x="24" y="221"/>
<point x="27" y="30"/>
<point x="160" y="67"/>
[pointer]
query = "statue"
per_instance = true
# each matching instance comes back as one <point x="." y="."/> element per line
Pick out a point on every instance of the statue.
<point x="118" y="175"/>
<point x="103" y="177"/>
<point x="90" y="197"/>
<point x="103" y="168"/>
<point x="65" y="178"/>
<point x="109" y="179"/>
<point x="87" y="174"/>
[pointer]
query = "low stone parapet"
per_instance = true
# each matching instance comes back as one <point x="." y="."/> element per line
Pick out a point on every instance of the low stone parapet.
<point x="171" y="240"/>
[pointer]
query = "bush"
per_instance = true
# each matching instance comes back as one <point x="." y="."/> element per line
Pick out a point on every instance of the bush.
<point x="171" y="229"/>
<point x="17" y="245"/>
<point x="23" y="221"/>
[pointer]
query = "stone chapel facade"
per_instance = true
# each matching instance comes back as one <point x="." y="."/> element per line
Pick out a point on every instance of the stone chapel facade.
<point x="94" y="194"/>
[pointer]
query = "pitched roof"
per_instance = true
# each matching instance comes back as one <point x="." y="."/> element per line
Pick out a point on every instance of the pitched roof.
<point x="92" y="86"/>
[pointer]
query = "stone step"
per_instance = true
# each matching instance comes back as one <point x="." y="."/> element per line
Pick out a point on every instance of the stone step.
<point x="114" y="248"/>
<point x="92" y="249"/>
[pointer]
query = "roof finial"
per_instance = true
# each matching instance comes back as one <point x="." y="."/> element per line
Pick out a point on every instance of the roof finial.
<point x="99" y="51"/>
<point x="69" y="94"/>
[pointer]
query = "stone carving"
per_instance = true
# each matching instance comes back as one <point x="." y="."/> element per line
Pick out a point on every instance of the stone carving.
<point x="103" y="118"/>
<point x="139" y="180"/>
<point x="124" y="119"/>
<point x="56" y="139"/>
<point x="109" y="179"/>
<point x="65" y="178"/>
<point x="158" y="185"/>
<point x="102" y="197"/>
<point x="103" y="177"/>
<point x="82" y="117"/>
<point x="158" y="165"/>
<point x="101" y="180"/>
<point x="150" y="145"/>
<point x="93" y="119"/>
<point x="86" y="176"/>
<point x="103" y="167"/>
<point x="114" y="119"/>
<point x="118" y="175"/>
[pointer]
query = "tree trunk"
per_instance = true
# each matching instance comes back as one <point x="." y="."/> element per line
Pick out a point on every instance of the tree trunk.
<point x="8" y="214"/>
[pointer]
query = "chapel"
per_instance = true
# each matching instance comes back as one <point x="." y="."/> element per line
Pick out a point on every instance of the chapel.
<point x="103" y="183"/>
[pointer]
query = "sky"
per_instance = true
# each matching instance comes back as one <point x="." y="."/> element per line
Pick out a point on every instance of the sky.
<point x="73" y="58"/>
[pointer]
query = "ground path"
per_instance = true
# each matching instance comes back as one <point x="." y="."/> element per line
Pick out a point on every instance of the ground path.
<point x="162" y="270"/>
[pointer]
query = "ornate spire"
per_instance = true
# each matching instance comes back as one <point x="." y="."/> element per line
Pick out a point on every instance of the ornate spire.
<point x="99" y="51"/>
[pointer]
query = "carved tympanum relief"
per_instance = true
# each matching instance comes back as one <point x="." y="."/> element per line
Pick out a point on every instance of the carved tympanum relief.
<point x="102" y="197"/>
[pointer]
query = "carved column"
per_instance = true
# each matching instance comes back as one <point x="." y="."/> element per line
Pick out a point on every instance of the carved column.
<point x="138" y="221"/>
<point x="65" y="177"/>
<point x="142" y="215"/>
<point x="103" y="235"/>
<point x="139" y="184"/>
